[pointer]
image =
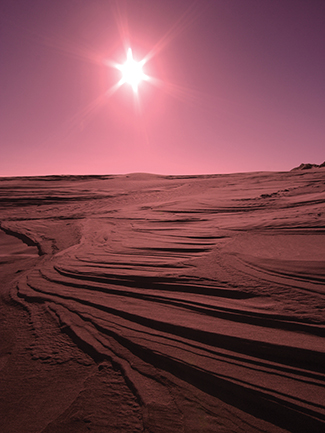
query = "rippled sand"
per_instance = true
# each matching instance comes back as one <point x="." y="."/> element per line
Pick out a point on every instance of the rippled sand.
<point x="189" y="303"/>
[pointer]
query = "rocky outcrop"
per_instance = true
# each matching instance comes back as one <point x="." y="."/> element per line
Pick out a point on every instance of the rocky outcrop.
<point x="308" y="166"/>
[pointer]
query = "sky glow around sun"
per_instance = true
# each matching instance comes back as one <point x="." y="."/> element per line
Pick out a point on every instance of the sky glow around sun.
<point x="132" y="70"/>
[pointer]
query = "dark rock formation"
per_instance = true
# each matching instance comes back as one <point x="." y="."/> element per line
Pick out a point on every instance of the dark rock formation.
<point x="308" y="166"/>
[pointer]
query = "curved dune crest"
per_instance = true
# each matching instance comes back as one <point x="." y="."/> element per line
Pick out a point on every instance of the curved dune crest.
<point x="207" y="292"/>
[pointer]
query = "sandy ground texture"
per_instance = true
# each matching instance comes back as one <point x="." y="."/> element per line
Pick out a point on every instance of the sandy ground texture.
<point x="146" y="303"/>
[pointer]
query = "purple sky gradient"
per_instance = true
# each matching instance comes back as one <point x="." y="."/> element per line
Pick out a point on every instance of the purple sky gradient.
<point x="243" y="86"/>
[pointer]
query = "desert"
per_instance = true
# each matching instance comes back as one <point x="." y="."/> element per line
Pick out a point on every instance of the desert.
<point x="163" y="303"/>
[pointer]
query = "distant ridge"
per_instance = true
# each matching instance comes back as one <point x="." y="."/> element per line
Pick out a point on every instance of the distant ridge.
<point x="308" y="166"/>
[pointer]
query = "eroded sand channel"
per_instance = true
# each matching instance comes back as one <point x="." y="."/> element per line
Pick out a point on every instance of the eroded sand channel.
<point x="12" y="248"/>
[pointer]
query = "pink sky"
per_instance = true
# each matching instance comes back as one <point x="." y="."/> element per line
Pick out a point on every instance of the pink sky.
<point x="243" y="86"/>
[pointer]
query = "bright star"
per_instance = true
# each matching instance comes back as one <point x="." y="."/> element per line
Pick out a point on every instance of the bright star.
<point x="132" y="72"/>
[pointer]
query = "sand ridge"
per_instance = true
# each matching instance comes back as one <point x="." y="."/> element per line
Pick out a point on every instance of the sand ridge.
<point x="205" y="292"/>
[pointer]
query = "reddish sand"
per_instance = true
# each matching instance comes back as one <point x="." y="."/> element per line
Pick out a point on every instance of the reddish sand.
<point x="163" y="303"/>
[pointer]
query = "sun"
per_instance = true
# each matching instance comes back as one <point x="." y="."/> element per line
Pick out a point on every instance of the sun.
<point x="132" y="72"/>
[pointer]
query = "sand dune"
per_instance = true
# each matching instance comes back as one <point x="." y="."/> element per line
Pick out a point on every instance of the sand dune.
<point x="205" y="293"/>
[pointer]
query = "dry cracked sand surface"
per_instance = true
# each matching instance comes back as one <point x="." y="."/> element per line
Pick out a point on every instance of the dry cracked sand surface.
<point x="147" y="303"/>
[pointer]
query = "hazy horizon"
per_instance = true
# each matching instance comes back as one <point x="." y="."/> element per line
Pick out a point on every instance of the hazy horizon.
<point x="67" y="174"/>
